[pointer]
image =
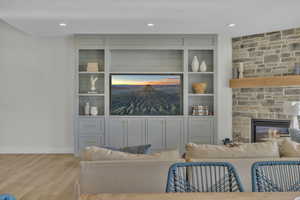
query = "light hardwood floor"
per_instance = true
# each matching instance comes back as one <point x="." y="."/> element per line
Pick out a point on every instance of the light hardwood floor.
<point x="39" y="177"/>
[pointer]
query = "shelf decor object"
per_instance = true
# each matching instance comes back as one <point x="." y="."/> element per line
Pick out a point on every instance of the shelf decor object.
<point x="241" y="70"/>
<point x="199" y="88"/>
<point x="93" y="80"/>
<point x="195" y="64"/>
<point x="92" y="67"/>
<point x="94" y="111"/>
<point x="292" y="108"/>
<point x="203" y="66"/>
<point x="269" y="81"/>
<point x="87" y="108"/>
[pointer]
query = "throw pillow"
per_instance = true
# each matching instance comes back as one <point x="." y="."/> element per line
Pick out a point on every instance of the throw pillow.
<point x="290" y="148"/>
<point x="247" y="150"/>
<point x="295" y="134"/>
<point x="94" y="153"/>
<point x="139" y="149"/>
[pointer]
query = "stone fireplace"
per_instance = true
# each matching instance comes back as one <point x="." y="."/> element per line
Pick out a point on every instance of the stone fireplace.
<point x="267" y="54"/>
<point x="263" y="130"/>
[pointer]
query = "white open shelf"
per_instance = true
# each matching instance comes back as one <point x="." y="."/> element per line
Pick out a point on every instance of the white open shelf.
<point x="90" y="94"/>
<point x="201" y="73"/>
<point x="199" y="95"/>
<point x="124" y="72"/>
<point x="91" y="72"/>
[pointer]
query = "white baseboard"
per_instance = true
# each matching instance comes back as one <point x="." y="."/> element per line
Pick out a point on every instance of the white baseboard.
<point x="14" y="150"/>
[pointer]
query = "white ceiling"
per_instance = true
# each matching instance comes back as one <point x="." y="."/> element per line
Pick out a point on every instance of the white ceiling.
<point x="41" y="17"/>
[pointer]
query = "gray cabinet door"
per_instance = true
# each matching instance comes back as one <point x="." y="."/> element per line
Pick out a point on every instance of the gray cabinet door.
<point x="135" y="132"/>
<point x="201" y="130"/>
<point x="156" y="133"/>
<point x="174" y="129"/>
<point x="117" y="132"/>
<point x="91" y="126"/>
<point x="90" y="140"/>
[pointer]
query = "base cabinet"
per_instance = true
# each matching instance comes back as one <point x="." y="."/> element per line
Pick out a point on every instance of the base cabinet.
<point x="156" y="133"/>
<point x="201" y="130"/>
<point x="165" y="133"/>
<point x="126" y="132"/>
<point x="174" y="133"/>
<point x="135" y="132"/>
<point x="90" y="132"/>
<point x="162" y="132"/>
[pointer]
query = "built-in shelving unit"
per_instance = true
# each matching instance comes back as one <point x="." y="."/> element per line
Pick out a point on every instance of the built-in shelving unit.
<point x="168" y="54"/>
<point x="207" y="98"/>
<point x="85" y="92"/>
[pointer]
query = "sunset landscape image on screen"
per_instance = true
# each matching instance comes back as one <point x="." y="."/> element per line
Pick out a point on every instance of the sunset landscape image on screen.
<point x="138" y="94"/>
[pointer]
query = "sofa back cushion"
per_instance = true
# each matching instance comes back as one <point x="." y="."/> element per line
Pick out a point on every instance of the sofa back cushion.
<point x="135" y="176"/>
<point x="247" y="150"/>
<point x="138" y="149"/>
<point x="94" y="153"/>
<point x="289" y="148"/>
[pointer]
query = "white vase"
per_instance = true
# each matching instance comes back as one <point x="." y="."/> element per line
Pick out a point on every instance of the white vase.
<point x="195" y="64"/>
<point x="203" y="66"/>
<point x="94" y="110"/>
<point x="87" y="108"/>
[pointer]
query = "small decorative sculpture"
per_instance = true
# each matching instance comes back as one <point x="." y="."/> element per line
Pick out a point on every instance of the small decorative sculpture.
<point x="203" y="66"/>
<point x="195" y="64"/>
<point x="93" y="80"/>
<point x="241" y="70"/>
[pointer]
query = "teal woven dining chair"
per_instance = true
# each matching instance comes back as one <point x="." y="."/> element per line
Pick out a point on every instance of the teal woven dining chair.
<point x="7" y="197"/>
<point x="276" y="176"/>
<point x="203" y="177"/>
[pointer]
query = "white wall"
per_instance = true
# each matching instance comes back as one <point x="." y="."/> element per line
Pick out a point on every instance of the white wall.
<point x="224" y="103"/>
<point x="36" y="89"/>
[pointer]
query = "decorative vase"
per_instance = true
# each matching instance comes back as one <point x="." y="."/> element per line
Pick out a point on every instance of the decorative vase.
<point x="195" y="64"/>
<point x="87" y="108"/>
<point x="199" y="88"/>
<point x="241" y="70"/>
<point x="203" y="66"/>
<point x="94" y="110"/>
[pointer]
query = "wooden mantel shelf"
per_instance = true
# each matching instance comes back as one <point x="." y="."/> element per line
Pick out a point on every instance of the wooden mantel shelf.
<point x="255" y="82"/>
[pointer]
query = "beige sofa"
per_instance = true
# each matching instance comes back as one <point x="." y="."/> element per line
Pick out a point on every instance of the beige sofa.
<point x="150" y="176"/>
<point x="144" y="176"/>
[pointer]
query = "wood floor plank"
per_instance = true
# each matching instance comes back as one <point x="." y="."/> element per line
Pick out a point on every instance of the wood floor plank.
<point x="39" y="176"/>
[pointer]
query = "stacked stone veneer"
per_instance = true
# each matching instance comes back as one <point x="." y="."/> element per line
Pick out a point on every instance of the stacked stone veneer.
<point x="268" y="54"/>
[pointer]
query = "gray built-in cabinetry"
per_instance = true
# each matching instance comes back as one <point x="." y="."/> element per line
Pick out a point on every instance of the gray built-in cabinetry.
<point x="144" y="54"/>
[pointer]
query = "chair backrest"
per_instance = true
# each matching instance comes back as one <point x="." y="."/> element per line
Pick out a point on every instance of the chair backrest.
<point x="276" y="176"/>
<point x="7" y="197"/>
<point x="203" y="177"/>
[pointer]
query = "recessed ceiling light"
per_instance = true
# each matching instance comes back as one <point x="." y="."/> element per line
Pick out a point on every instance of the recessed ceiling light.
<point x="63" y="24"/>
<point x="150" y="24"/>
<point x="231" y="25"/>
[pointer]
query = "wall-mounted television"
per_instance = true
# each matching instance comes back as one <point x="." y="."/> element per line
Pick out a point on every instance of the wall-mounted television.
<point x="146" y="94"/>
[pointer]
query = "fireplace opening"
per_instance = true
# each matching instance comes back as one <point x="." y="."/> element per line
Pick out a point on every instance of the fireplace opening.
<point x="263" y="130"/>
